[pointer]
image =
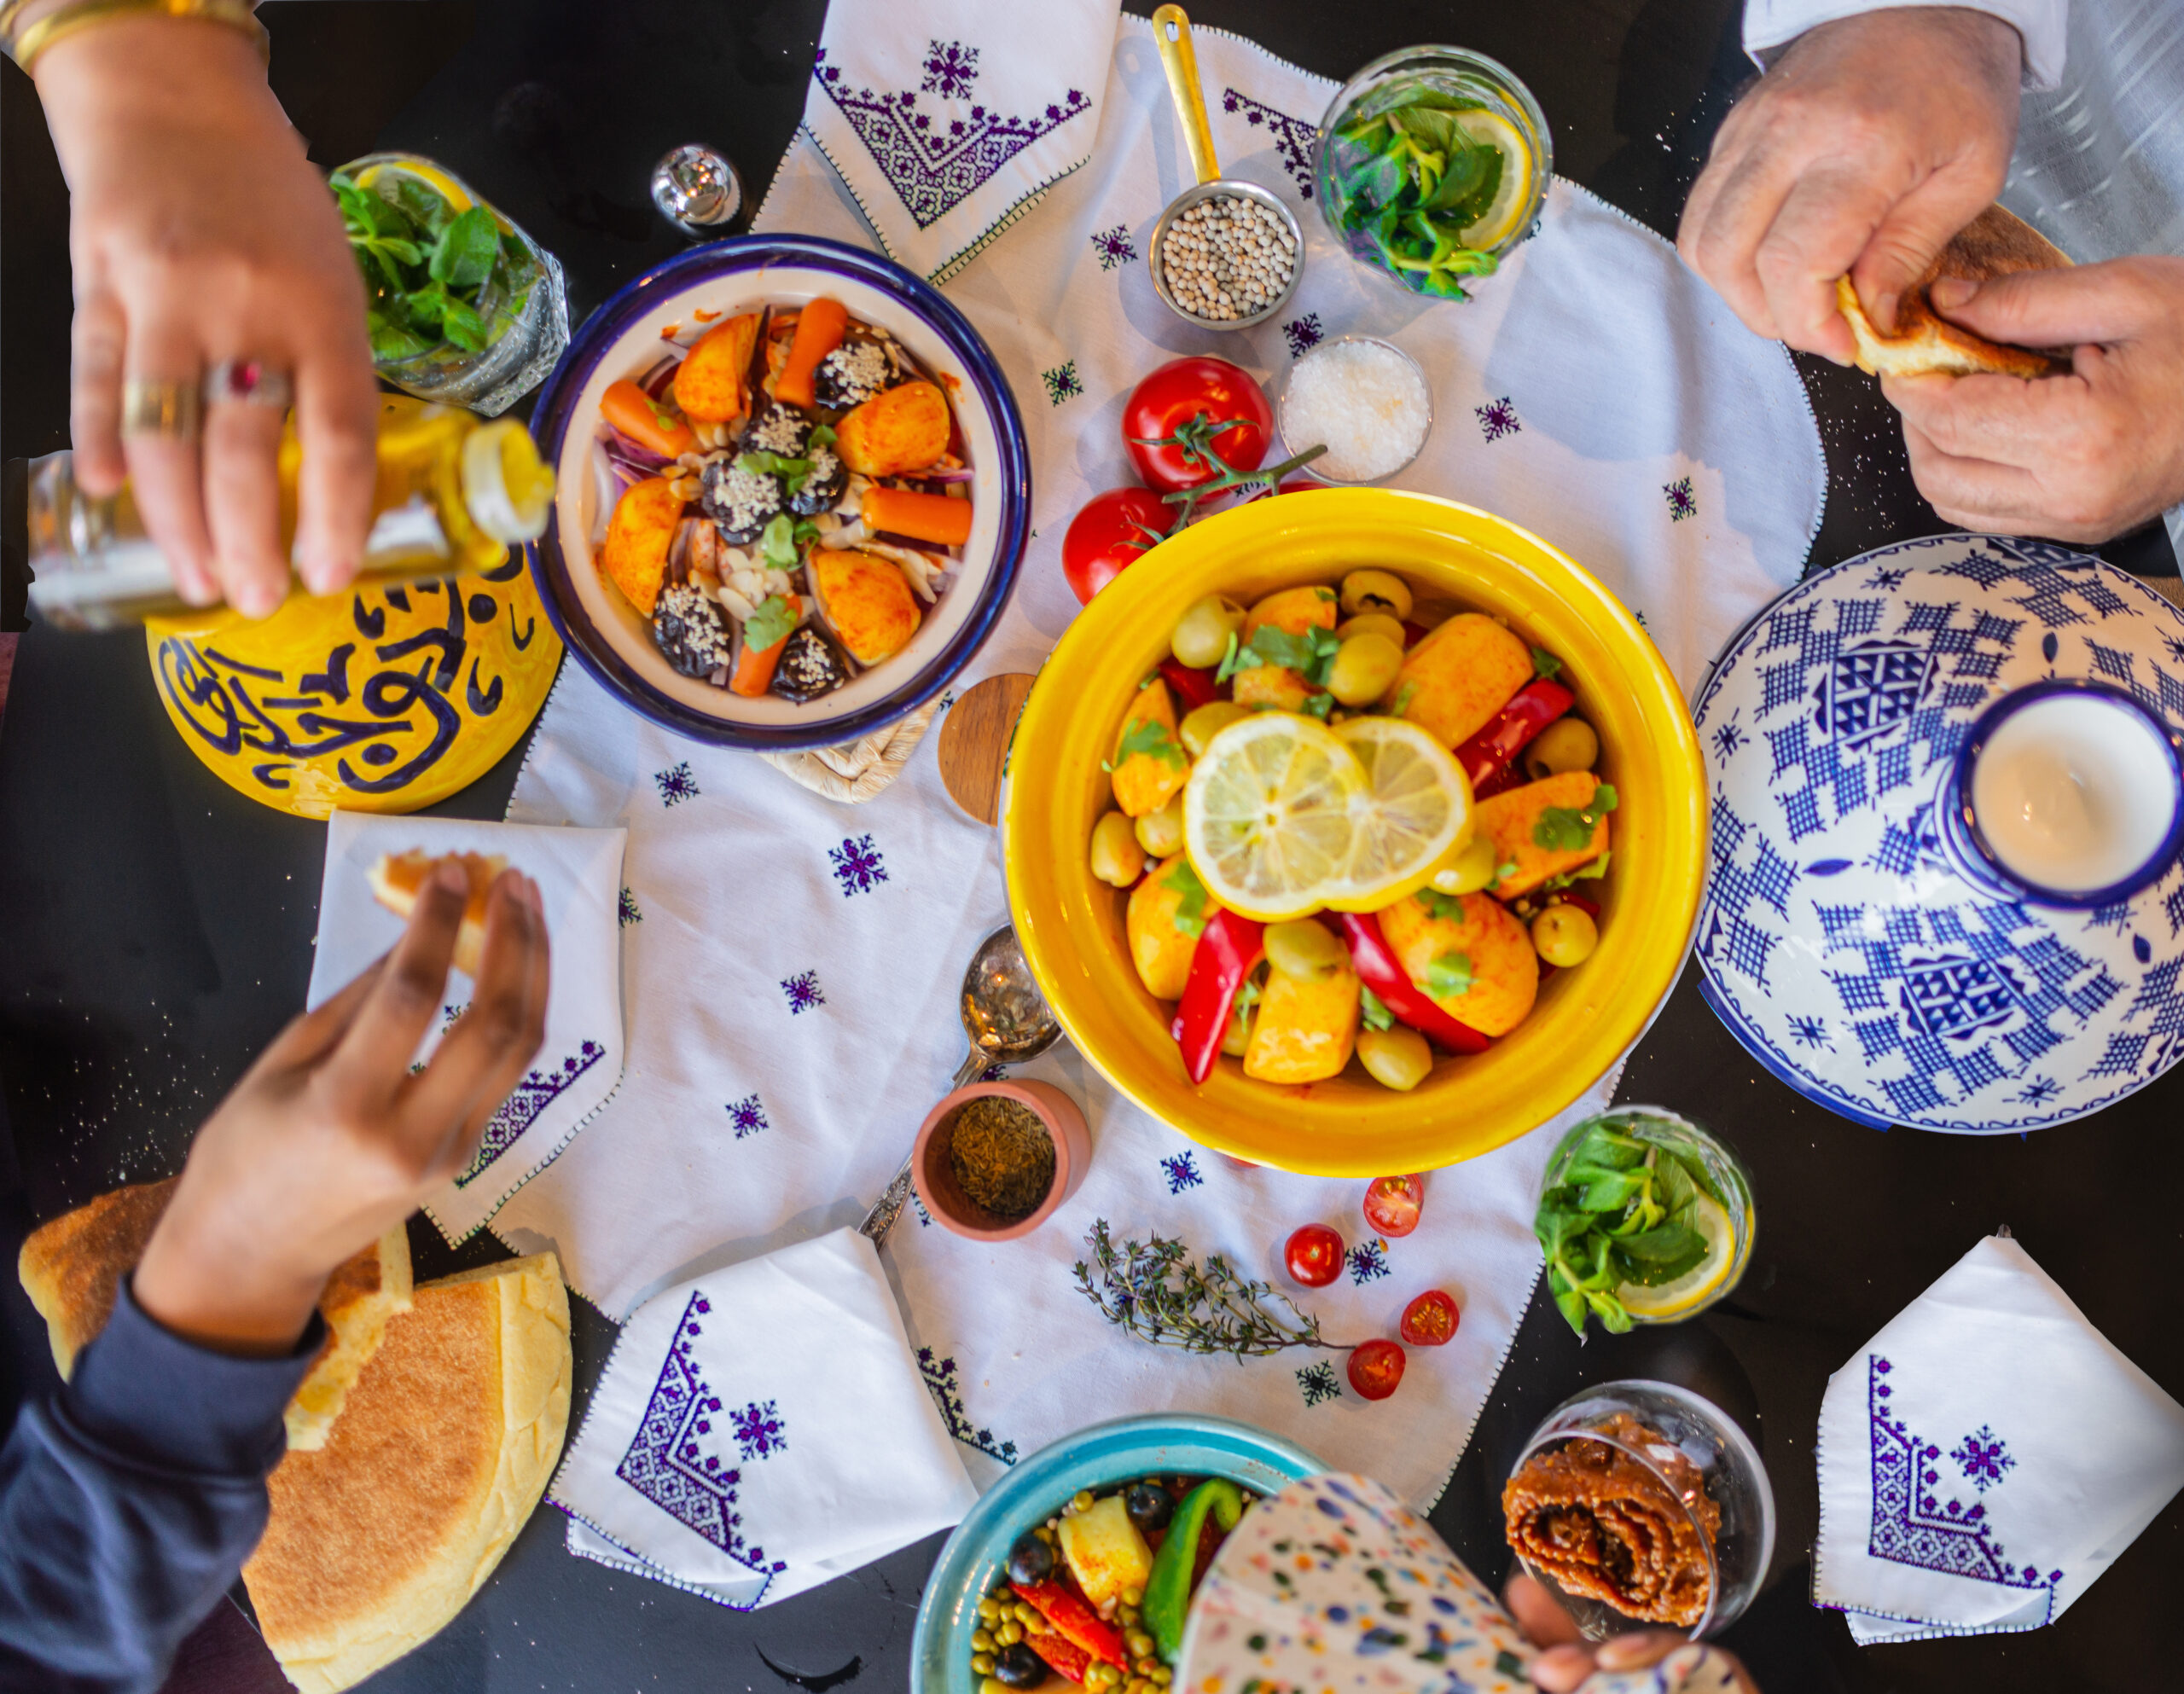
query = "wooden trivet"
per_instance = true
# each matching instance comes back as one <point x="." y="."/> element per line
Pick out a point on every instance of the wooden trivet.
<point x="974" y="742"/>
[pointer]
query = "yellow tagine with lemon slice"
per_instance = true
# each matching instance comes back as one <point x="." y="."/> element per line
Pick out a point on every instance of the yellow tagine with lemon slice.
<point x="1349" y="829"/>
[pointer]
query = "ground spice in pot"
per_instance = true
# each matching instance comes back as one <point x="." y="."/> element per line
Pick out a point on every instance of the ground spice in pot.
<point x="1002" y="1156"/>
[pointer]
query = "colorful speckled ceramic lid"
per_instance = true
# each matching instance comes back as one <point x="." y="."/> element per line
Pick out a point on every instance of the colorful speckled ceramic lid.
<point x="1874" y="929"/>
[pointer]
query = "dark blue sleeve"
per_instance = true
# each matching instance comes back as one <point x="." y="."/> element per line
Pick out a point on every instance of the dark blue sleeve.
<point x="129" y="1501"/>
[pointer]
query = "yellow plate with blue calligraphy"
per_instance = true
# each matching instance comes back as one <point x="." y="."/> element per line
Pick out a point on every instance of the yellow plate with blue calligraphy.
<point x="384" y="698"/>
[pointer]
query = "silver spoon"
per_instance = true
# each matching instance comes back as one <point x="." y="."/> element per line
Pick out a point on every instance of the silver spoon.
<point x="1008" y="1022"/>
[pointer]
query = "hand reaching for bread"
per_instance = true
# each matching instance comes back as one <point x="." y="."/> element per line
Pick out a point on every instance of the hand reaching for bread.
<point x="330" y="1139"/>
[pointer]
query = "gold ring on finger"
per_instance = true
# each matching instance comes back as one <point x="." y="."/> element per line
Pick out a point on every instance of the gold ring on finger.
<point x="150" y="406"/>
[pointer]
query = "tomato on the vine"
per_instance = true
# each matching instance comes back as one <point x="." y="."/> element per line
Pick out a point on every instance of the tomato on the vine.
<point x="1176" y="404"/>
<point x="1314" y="1256"/>
<point x="1376" y="1368"/>
<point x="1392" y="1203"/>
<point x="1430" y="1319"/>
<point x="1113" y="531"/>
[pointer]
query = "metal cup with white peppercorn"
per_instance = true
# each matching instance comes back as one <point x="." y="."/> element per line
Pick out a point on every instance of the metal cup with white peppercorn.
<point x="1227" y="254"/>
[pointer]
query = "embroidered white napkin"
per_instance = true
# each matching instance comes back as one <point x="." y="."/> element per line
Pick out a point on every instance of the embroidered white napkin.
<point x="578" y="873"/>
<point x="948" y="119"/>
<point x="1984" y="1458"/>
<point x="761" y="1429"/>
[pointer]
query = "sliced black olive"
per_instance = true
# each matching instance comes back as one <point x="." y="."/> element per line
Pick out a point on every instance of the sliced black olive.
<point x="689" y="631"/>
<point x="808" y="667"/>
<point x="1019" y="1667"/>
<point x="856" y="371"/>
<point x="781" y="428"/>
<point x="743" y="502"/>
<point x="1031" y="1560"/>
<point x="822" y="488"/>
<point x="1149" y="1505"/>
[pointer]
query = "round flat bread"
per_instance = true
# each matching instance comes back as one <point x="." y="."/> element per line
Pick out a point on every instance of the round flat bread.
<point x="1995" y="243"/>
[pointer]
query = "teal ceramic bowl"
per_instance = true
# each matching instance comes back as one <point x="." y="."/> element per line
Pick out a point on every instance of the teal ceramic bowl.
<point x="976" y="1555"/>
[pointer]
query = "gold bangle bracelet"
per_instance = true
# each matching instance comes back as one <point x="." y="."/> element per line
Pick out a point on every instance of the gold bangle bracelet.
<point x="24" y="46"/>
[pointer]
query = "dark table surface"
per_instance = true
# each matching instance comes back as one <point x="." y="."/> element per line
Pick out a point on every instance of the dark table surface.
<point x="155" y="927"/>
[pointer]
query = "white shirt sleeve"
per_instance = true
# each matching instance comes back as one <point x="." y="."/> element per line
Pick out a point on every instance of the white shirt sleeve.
<point x="1770" y="25"/>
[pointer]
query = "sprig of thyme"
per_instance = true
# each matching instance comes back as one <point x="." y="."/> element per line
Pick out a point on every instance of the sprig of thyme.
<point x="1156" y="1292"/>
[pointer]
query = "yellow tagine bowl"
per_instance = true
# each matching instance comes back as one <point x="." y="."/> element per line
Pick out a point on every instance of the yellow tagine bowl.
<point x="386" y="697"/>
<point x="1072" y="924"/>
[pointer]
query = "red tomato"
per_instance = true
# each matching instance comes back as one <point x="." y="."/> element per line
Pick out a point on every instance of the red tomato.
<point x="1110" y="534"/>
<point x="1430" y="1319"/>
<point x="1187" y="391"/>
<point x="1376" y="1368"/>
<point x="1392" y="1203"/>
<point x="1314" y="1256"/>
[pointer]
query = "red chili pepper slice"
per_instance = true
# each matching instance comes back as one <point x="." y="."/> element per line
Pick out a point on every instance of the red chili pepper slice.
<point x="1494" y="749"/>
<point x="1228" y="949"/>
<point x="1059" y="1654"/>
<point x="1591" y="908"/>
<point x="1074" y="1621"/>
<point x="1194" y="688"/>
<point x="1378" y="969"/>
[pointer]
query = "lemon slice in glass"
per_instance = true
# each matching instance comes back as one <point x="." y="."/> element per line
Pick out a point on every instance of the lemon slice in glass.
<point x="1492" y="130"/>
<point x="1695" y="1284"/>
<point x="1270" y="816"/>
<point x="507" y="487"/>
<point x="445" y="185"/>
<point x="1416" y="812"/>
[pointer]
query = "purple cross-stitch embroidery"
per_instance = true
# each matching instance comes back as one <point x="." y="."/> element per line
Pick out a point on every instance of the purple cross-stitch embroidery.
<point x="1682" y="505"/>
<point x="930" y="171"/>
<point x="1497" y="418"/>
<point x="676" y="785"/>
<point x="1062" y="383"/>
<point x="939" y="1375"/>
<point x="758" y="1431"/>
<point x="1368" y="1261"/>
<point x="1983" y="1457"/>
<point x="1318" y="1382"/>
<point x="993" y="1073"/>
<point x="950" y="69"/>
<point x="1114" y="247"/>
<point x="668" y="1465"/>
<point x="1294" y="138"/>
<point x="1182" y="1173"/>
<point x="857" y="866"/>
<point x="627" y="911"/>
<point x="803" y="991"/>
<point x="1911" y="1525"/>
<point x="1304" y="333"/>
<point x="520" y="1110"/>
<point x="747" y="1117"/>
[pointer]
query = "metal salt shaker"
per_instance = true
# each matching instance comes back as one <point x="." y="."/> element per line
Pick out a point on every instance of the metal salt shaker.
<point x="697" y="189"/>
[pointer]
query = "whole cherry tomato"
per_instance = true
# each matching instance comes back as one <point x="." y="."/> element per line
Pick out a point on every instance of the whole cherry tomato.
<point x="1314" y="1256"/>
<point x="1392" y="1203"/>
<point x="1113" y="531"/>
<point x="1430" y="1319"/>
<point x="1177" y="403"/>
<point x="1376" y="1368"/>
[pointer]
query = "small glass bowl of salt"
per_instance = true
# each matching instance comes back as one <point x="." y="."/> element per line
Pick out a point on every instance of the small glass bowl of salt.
<point x="1366" y="400"/>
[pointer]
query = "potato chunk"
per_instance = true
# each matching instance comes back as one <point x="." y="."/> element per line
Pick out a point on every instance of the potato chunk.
<point x="1161" y="949"/>
<point x="1456" y="680"/>
<point x="868" y="600"/>
<point x="1105" y="1551"/>
<point x="1304" y="1030"/>
<point x="1512" y="820"/>
<point x="709" y="383"/>
<point x="638" y="537"/>
<point x="903" y="430"/>
<point x="1150" y="766"/>
<point x="1466" y="945"/>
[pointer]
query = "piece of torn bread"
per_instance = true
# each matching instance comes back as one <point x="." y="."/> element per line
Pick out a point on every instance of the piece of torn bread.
<point x="397" y="878"/>
<point x="71" y="1268"/>
<point x="1995" y="243"/>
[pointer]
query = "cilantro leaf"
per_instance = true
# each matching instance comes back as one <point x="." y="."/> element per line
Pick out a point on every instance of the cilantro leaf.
<point x="1190" y="911"/>
<point x="1440" y="905"/>
<point x="777" y="542"/>
<point x="1310" y="655"/>
<point x="1545" y="664"/>
<point x="794" y="473"/>
<point x="1404" y="696"/>
<point x="1376" y="1013"/>
<point x="1569" y="829"/>
<point x="1149" y="736"/>
<point x="1448" y="976"/>
<point x="1319" y="705"/>
<point x="770" y="624"/>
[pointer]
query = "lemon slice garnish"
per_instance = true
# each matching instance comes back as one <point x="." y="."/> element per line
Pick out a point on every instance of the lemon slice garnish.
<point x="507" y="487"/>
<point x="1695" y="1284"/>
<point x="1270" y="816"/>
<point x="444" y="184"/>
<point x="1495" y="223"/>
<point x="1417" y="811"/>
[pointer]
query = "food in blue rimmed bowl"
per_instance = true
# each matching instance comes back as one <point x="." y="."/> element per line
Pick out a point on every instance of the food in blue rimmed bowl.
<point x="1071" y="1535"/>
<point x="795" y="493"/>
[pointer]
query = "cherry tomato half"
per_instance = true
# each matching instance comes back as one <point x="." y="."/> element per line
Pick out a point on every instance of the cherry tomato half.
<point x="1183" y="391"/>
<point x="1314" y="1256"/>
<point x="1109" y="535"/>
<point x="1430" y="1319"/>
<point x="1392" y="1203"/>
<point x="1376" y="1368"/>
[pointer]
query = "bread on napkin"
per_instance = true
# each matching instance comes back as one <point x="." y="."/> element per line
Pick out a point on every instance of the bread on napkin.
<point x="377" y="1540"/>
<point x="71" y="1267"/>
<point x="397" y="878"/>
<point x="1995" y="243"/>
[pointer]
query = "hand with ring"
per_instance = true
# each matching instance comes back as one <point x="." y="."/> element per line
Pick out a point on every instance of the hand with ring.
<point x="214" y="287"/>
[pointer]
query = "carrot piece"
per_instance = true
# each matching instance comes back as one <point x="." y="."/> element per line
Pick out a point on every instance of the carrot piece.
<point x="818" y="333"/>
<point x="922" y="517"/>
<point x="709" y="383"/>
<point x="645" y="420"/>
<point x="754" y="669"/>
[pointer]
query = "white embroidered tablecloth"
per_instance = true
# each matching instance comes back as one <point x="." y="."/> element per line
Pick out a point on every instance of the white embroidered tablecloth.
<point x="790" y="966"/>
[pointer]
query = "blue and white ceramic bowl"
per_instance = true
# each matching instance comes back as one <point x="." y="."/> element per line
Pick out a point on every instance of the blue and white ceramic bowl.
<point x="1859" y="933"/>
<point x="623" y="339"/>
<point x="976" y="1557"/>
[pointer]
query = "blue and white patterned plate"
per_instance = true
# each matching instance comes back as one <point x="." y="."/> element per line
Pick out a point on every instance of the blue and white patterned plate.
<point x="1841" y="941"/>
